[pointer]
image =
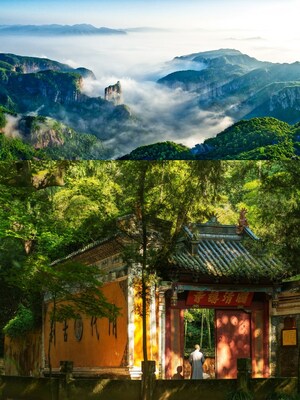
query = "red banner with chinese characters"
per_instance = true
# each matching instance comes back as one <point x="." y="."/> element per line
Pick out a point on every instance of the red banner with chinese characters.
<point x="219" y="299"/>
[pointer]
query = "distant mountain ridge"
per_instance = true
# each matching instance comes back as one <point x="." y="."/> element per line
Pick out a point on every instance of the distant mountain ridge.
<point x="240" y="86"/>
<point x="26" y="65"/>
<point x="56" y="29"/>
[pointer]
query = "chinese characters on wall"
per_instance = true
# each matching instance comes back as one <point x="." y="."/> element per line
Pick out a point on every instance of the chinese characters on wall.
<point x="78" y="329"/>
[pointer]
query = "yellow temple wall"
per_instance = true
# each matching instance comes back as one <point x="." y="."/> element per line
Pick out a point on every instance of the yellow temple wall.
<point x="107" y="350"/>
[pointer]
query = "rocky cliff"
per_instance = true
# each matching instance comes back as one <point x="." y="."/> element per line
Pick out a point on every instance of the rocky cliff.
<point x="43" y="88"/>
<point x="30" y="85"/>
<point x="27" y="137"/>
<point x="113" y="93"/>
<point x="23" y="64"/>
<point x="240" y="86"/>
<point x="283" y="102"/>
<point x="287" y="98"/>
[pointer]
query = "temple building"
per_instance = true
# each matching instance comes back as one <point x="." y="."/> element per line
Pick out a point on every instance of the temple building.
<point x="218" y="267"/>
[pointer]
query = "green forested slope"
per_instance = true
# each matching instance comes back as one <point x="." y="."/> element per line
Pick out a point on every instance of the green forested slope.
<point x="29" y="137"/>
<point x="255" y="138"/>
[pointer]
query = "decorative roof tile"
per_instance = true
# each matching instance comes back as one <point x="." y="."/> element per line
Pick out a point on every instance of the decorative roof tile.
<point x="216" y="251"/>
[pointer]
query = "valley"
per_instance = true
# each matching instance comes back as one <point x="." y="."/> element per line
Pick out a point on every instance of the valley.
<point x="220" y="88"/>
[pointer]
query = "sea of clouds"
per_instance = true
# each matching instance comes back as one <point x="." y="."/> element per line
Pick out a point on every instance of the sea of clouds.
<point x="138" y="60"/>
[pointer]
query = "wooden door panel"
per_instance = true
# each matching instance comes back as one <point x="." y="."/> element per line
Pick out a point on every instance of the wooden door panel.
<point x="174" y="350"/>
<point x="233" y="341"/>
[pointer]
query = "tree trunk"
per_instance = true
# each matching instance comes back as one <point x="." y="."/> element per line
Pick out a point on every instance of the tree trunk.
<point x="208" y="329"/>
<point x="141" y="205"/>
<point x="201" y="331"/>
<point x="51" y="335"/>
<point x="299" y="371"/>
<point x="148" y="380"/>
<point x="144" y="308"/>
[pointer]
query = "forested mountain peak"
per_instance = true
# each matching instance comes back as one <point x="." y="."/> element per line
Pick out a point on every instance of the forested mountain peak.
<point x="240" y="86"/>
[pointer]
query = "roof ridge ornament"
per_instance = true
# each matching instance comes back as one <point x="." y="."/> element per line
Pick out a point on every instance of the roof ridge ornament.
<point x="242" y="222"/>
<point x="213" y="221"/>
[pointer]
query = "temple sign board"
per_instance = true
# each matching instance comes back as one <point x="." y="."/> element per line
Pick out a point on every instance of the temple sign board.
<point x="219" y="299"/>
<point x="289" y="337"/>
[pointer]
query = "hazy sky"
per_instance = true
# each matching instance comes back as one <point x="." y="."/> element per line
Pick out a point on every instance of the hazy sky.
<point x="266" y="15"/>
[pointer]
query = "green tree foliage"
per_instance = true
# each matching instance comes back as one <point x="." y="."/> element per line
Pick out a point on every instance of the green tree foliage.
<point x="52" y="208"/>
<point x="2" y="118"/>
<point x="12" y="257"/>
<point x="21" y="324"/>
<point x="270" y="192"/>
<point x="199" y="328"/>
<point x="39" y="216"/>
<point x="169" y="191"/>
<point x="16" y="149"/>
<point x="174" y="191"/>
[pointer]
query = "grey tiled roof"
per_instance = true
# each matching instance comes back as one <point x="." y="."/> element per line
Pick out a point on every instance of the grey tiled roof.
<point x="85" y="249"/>
<point x="222" y="258"/>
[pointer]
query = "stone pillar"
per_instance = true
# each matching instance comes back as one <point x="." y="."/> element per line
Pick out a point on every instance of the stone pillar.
<point x="243" y="373"/>
<point x="163" y="287"/>
<point x="153" y="325"/>
<point x="161" y="333"/>
<point x="131" y="327"/>
<point x="148" y="380"/>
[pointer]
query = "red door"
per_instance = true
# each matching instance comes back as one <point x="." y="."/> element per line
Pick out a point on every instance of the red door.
<point x="233" y="338"/>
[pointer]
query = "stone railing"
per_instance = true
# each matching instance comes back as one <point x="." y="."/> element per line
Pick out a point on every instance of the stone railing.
<point x="65" y="387"/>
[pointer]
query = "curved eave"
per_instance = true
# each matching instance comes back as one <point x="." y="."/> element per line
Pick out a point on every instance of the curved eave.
<point x="224" y="260"/>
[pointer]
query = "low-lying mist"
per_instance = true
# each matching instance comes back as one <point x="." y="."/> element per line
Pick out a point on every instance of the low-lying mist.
<point x="163" y="114"/>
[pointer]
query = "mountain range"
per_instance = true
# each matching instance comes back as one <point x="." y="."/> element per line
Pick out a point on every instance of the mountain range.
<point x="51" y="111"/>
<point x="240" y="86"/>
<point x="56" y="29"/>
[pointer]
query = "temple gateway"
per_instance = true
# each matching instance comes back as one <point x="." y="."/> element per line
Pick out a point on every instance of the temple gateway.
<point x="216" y="267"/>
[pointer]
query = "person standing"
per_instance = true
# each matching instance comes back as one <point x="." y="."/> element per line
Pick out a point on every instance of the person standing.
<point x="178" y="375"/>
<point x="196" y="360"/>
